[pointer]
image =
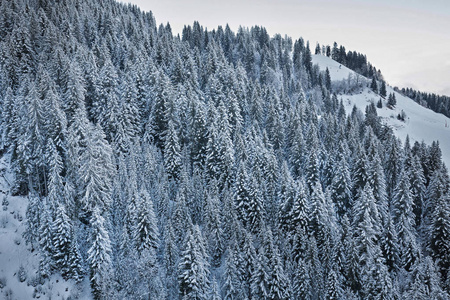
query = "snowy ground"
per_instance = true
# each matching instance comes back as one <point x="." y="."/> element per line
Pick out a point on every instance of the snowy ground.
<point x="14" y="253"/>
<point x="420" y="124"/>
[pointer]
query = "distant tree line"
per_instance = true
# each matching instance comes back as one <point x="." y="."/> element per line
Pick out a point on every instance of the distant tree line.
<point x="437" y="103"/>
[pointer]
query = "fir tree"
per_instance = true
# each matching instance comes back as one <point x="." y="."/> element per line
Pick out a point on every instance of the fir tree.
<point x="172" y="152"/>
<point x="383" y="89"/>
<point x="193" y="272"/>
<point x="99" y="255"/>
<point x="392" y="101"/>
<point x="440" y="236"/>
<point x="404" y="222"/>
<point x="374" y="86"/>
<point x="145" y="233"/>
<point x="62" y="240"/>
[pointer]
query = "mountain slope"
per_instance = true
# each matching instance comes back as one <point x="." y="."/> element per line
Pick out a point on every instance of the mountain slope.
<point x="421" y="124"/>
<point x="18" y="264"/>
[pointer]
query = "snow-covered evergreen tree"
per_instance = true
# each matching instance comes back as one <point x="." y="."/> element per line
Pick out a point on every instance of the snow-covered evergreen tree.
<point x="99" y="255"/>
<point x="193" y="267"/>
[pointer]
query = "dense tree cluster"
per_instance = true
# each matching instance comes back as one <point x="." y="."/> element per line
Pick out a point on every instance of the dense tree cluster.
<point x="215" y="165"/>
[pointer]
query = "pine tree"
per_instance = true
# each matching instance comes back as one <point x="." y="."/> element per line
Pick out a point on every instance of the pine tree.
<point x="425" y="283"/>
<point x="374" y="86"/>
<point x="341" y="184"/>
<point x="302" y="281"/>
<point x="248" y="200"/>
<point x="278" y="286"/>
<point x="55" y="181"/>
<point x="383" y="89"/>
<point x="99" y="255"/>
<point x="33" y="220"/>
<point x="95" y="173"/>
<point x="404" y="222"/>
<point x="366" y="222"/>
<point x="334" y="288"/>
<point x="379" y="103"/>
<point x="260" y="277"/>
<point x="172" y="152"/>
<point x="145" y="233"/>
<point x="46" y="263"/>
<point x="300" y="211"/>
<point x="327" y="79"/>
<point x="75" y="260"/>
<point x="418" y="189"/>
<point x="193" y="272"/>
<point x="360" y="176"/>
<point x="312" y="163"/>
<point x="440" y="236"/>
<point x="390" y="246"/>
<point x="73" y="90"/>
<point x="62" y="240"/>
<point x="231" y="282"/>
<point x="214" y="230"/>
<point x="392" y="101"/>
<point x="287" y="195"/>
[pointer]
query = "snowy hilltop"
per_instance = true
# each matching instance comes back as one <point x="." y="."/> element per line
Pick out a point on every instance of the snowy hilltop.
<point x="420" y="124"/>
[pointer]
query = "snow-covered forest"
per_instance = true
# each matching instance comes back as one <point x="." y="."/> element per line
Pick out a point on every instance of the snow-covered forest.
<point x="211" y="165"/>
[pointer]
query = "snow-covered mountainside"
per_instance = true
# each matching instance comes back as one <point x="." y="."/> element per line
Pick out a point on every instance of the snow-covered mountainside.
<point x="18" y="266"/>
<point x="139" y="164"/>
<point x="421" y="124"/>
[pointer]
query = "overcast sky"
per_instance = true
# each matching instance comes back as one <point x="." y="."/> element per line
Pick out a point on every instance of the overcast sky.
<point x="409" y="40"/>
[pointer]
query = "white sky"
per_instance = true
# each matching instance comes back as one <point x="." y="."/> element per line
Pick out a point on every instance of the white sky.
<point x="409" y="40"/>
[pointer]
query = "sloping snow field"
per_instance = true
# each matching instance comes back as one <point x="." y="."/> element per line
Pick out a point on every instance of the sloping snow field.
<point x="421" y="124"/>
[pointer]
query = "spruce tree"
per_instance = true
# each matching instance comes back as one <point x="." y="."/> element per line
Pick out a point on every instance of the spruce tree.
<point x="440" y="236"/>
<point x="193" y="267"/>
<point x="404" y="222"/>
<point x="383" y="89"/>
<point x="374" y="86"/>
<point x="99" y="255"/>
<point x="62" y="240"/>
<point x="145" y="233"/>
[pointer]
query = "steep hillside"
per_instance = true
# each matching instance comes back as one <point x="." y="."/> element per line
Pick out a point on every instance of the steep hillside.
<point x="211" y="165"/>
<point x="421" y="124"/>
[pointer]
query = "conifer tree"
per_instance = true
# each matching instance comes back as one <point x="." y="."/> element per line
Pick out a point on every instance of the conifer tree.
<point x="278" y="286"/>
<point x="383" y="89"/>
<point x="440" y="236"/>
<point x="404" y="222"/>
<point x="390" y="246"/>
<point x="260" y="277"/>
<point x="172" y="152"/>
<point x="62" y="240"/>
<point x="95" y="172"/>
<point x="341" y="184"/>
<point x="75" y="260"/>
<point x="99" y="255"/>
<point x="46" y="263"/>
<point x="33" y="220"/>
<point x="230" y="288"/>
<point x="374" y="85"/>
<point x="214" y="231"/>
<point x="312" y="163"/>
<point x="193" y="272"/>
<point x="392" y="101"/>
<point x="145" y="233"/>
<point x="425" y="283"/>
